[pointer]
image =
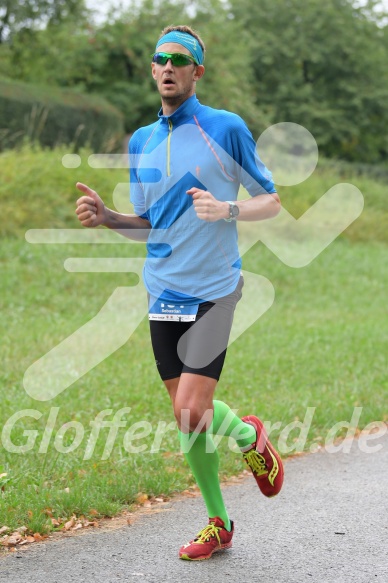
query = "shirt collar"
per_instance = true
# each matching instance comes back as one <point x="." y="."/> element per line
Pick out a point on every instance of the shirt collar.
<point x="183" y="113"/>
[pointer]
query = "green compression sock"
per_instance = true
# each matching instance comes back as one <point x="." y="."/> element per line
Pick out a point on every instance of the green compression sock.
<point x="202" y="457"/>
<point x="225" y="422"/>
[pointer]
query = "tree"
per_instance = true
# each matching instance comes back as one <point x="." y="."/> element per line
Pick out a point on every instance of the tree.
<point x="319" y="64"/>
<point x="322" y="65"/>
<point x="228" y="81"/>
<point x="16" y="15"/>
<point x="114" y="58"/>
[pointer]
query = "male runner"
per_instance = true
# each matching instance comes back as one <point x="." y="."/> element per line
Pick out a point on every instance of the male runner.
<point x="186" y="170"/>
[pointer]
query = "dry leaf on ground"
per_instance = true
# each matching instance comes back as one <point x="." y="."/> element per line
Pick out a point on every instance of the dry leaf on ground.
<point x="37" y="537"/>
<point x="141" y="498"/>
<point x="70" y="523"/>
<point x="189" y="494"/>
<point x="13" y="539"/>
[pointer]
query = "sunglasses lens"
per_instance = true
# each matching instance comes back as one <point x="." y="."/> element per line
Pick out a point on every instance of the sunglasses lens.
<point x="177" y="59"/>
<point x="160" y="58"/>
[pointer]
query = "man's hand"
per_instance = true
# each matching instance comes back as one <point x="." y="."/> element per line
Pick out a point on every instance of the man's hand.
<point x="207" y="207"/>
<point x="90" y="209"/>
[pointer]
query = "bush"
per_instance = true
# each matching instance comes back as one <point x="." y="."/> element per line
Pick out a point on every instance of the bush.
<point x="53" y="116"/>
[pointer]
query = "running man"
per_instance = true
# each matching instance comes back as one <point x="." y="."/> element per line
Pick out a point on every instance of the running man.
<point x="186" y="171"/>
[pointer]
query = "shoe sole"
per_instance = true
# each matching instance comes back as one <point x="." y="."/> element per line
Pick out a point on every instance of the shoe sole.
<point x="204" y="558"/>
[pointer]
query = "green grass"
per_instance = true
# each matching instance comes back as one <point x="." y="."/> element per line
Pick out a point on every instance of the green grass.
<point x="36" y="191"/>
<point x="322" y="345"/>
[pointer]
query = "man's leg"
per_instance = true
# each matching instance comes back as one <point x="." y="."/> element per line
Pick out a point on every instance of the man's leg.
<point x="193" y="409"/>
<point x="258" y="452"/>
<point x="226" y="422"/>
<point x="191" y="392"/>
<point x="192" y="399"/>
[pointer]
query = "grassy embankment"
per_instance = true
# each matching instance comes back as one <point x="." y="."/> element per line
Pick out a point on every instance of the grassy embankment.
<point x="320" y="345"/>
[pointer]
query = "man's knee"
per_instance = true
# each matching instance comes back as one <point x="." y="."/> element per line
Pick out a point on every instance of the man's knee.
<point x="193" y="417"/>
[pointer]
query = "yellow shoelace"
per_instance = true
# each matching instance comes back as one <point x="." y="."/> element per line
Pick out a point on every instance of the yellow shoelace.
<point x="206" y="533"/>
<point x="256" y="462"/>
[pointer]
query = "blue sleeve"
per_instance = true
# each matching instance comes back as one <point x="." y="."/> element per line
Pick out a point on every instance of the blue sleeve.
<point x="253" y="174"/>
<point x="136" y="193"/>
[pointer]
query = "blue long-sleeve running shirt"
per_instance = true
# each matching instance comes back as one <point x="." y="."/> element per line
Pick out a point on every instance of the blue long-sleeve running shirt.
<point x="190" y="259"/>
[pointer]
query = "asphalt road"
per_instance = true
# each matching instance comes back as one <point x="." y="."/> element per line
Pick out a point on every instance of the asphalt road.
<point x="328" y="525"/>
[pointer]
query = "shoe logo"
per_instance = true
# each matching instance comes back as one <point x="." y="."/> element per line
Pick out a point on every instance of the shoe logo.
<point x="275" y="470"/>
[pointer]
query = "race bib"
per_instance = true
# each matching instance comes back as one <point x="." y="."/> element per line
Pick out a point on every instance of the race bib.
<point x="162" y="311"/>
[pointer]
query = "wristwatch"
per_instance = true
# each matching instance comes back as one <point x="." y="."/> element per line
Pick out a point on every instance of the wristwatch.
<point x="233" y="211"/>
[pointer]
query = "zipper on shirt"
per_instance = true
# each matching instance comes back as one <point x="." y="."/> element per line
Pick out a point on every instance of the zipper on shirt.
<point x="169" y="148"/>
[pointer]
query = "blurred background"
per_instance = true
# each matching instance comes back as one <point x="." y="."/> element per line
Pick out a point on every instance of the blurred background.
<point x="320" y="64"/>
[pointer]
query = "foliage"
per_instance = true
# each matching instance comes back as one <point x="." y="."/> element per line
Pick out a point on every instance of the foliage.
<point x="18" y="15"/>
<point x="228" y="81"/>
<point x="323" y="67"/>
<point x="52" y="116"/>
<point x="114" y="60"/>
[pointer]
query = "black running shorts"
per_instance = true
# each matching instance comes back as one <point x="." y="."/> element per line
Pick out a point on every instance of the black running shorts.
<point x="197" y="347"/>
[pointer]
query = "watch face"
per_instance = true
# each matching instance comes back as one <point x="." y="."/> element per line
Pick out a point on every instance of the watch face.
<point x="234" y="210"/>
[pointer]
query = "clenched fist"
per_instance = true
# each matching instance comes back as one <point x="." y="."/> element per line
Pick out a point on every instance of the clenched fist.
<point x="207" y="207"/>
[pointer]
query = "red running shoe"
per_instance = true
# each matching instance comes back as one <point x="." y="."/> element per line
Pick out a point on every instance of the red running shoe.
<point x="214" y="537"/>
<point x="263" y="460"/>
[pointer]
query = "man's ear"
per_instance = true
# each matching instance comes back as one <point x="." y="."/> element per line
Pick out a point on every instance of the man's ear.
<point x="153" y="70"/>
<point x="199" y="72"/>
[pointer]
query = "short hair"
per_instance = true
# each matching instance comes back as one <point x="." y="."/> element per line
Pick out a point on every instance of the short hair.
<point x="184" y="28"/>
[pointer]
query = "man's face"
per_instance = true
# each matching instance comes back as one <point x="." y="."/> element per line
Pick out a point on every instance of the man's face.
<point x="176" y="84"/>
